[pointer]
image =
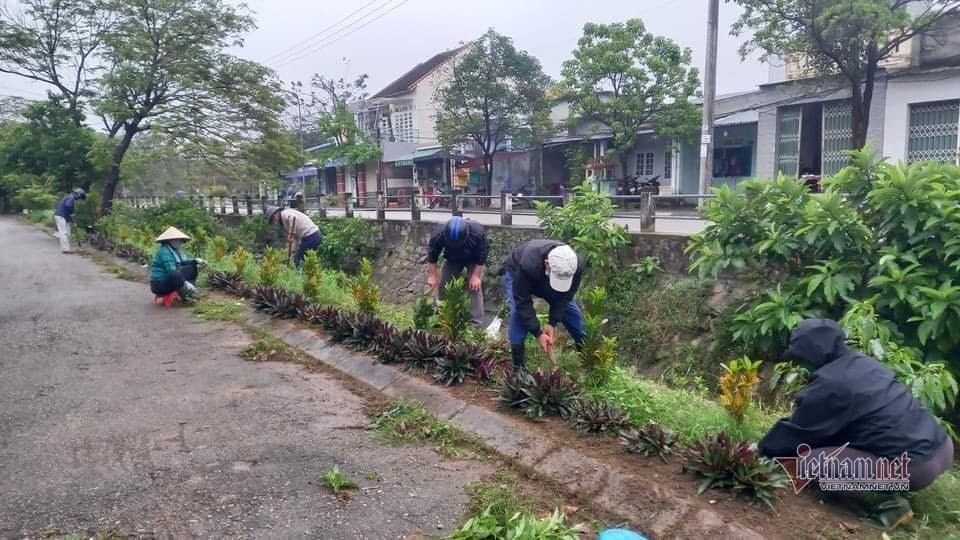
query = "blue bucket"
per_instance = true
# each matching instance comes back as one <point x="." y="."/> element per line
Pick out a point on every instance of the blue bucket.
<point x="619" y="534"/>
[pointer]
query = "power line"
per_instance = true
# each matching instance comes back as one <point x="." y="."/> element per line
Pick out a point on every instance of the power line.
<point x="284" y="52"/>
<point x="335" y="38"/>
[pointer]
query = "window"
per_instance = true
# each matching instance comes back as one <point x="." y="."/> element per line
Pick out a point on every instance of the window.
<point x="645" y="164"/>
<point x="668" y="165"/>
<point x="401" y="116"/>
<point x="933" y="132"/>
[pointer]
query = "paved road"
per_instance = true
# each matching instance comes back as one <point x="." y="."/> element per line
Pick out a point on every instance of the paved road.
<point x="115" y="413"/>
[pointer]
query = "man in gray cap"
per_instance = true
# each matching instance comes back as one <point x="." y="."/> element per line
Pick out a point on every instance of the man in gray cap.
<point x="301" y="231"/>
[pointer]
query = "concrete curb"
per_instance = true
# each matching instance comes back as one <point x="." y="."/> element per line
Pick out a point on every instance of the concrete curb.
<point x="615" y="491"/>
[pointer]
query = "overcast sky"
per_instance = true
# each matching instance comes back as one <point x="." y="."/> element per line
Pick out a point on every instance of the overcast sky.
<point x="385" y="38"/>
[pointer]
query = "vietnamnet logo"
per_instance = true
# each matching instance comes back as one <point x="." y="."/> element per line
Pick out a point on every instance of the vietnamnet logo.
<point x="846" y="474"/>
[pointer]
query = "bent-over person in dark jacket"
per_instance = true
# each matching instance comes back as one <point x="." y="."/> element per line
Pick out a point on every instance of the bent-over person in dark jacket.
<point x="465" y="247"/>
<point x="854" y="400"/>
<point x="551" y="270"/>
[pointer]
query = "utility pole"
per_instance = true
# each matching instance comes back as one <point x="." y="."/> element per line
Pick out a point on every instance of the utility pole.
<point x="303" y="172"/>
<point x="709" y="96"/>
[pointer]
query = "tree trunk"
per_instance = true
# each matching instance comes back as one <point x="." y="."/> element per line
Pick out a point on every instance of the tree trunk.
<point x="113" y="177"/>
<point x="488" y="171"/>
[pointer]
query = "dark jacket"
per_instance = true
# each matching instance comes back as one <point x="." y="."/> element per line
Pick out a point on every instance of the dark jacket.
<point x="850" y="398"/>
<point x="473" y="250"/>
<point x="65" y="208"/>
<point x="525" y="264"/>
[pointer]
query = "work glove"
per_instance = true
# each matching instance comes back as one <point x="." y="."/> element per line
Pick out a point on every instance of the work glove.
<point x="201" y="262"/>
<point x="190" y="287"/>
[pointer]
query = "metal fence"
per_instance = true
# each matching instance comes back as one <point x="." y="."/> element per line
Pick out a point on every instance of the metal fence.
<point x="411" y="205"/>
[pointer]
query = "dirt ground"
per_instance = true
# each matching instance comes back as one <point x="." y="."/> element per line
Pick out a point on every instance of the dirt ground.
<point x="116" y="414"/>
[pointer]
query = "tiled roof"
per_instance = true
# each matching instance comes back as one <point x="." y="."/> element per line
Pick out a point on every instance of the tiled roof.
<point x="410" y="79"/>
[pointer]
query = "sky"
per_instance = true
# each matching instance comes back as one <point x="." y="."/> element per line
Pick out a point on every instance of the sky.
<point x="385" y="38"/>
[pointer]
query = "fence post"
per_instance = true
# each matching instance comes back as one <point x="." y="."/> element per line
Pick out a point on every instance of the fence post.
<point x="348" y="205"/>
<point x="456" y="203"/>
<point x="299" y="203"/>
<point x="648" y="218"/>
<point x="236" y="205"/>
<point x="223" y="206"/>
<point x="381" y="206"/>
<point x="249" y="201"/>
<point x="322" y="200"/>
<point x="263" y="204"/>
<point x="203" y="205"/>
<point x="567" y="197"/>
<point x="191" y="199"/>
<point x="506" y="208"/>
<point x="414" y="205"/>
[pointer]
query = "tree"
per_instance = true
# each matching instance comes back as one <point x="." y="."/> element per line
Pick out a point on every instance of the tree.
<point x="493" y="91"/>
<point x="629" y="79"/>
<point x="336" y="123"/>
<point x="55" y="42"/>
<point x="51" y="145"/>
<point x="848" y="38"/>
<point x="168" y="72"/>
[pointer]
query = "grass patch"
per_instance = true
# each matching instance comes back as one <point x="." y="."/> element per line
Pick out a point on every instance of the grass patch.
<point x="686" y="413"/>
<point x="211" y="309"/>
<point x="337" y="481"/>
<point x="121" y="272"/>
<point x="270" y="349"/>
<point x="405" y="422"/>
<point x="501" y="495"/>
<point x="938" y="515"/>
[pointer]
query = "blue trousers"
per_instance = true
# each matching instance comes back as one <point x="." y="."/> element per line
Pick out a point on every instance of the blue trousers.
<point x="311" y="241"/>
<point x="516" y="333"/>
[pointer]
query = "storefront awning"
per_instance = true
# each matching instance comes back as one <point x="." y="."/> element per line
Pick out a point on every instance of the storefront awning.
<point x="418" y="155"/>
<point x="739" y="118"/>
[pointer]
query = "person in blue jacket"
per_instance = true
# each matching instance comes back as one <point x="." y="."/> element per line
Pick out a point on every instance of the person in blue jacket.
<point x="63" y="216"/>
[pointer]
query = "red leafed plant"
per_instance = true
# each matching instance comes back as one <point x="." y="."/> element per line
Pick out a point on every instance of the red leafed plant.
<point x="737" y="466"/>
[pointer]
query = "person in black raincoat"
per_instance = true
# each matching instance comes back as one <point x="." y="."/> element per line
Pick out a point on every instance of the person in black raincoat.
<point x="853" y="399"/>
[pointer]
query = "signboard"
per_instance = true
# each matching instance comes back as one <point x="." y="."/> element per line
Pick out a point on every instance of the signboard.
<point x="461" y="177"/>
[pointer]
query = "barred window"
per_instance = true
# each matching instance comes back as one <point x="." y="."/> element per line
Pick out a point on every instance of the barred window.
<point x="667" y="165"/>
<point x="934" y="132"/>
<point x="645" y="164"/>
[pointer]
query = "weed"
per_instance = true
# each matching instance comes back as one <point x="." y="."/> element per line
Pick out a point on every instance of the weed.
<point x="487" y="525"/>
<point x="269" y="349"/>
<point x="404" y="422"/>
<point x="219" y="310"/>
<point x="684" y="412"/>
<point x="372" y="476"/>
<point x="500" y="496"/>
<point x="336" y="480"/>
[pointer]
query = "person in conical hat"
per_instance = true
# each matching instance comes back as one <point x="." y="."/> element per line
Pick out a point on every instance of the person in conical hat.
<point x="171" y="270"/>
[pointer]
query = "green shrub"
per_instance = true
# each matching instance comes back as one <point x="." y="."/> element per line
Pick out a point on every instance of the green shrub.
<point x="312" y="275"/>
<point x="597" y="354"/>
<point x="879" y="232"/>
<point x="585" y="223"/>
<point x="35" y="198"/>
<point x="346" y="241"/>
<point x="424" y="313"/>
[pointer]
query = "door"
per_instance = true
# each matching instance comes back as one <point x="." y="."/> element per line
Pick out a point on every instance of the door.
<point x="837" y="137"/>
<point x="788" y="140"/>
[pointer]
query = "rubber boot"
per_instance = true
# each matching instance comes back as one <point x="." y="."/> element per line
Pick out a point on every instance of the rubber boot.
<point x="889" y="514"/>
<point x="518" y="354"/>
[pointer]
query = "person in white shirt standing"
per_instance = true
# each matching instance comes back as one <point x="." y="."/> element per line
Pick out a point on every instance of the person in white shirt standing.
<point x="301" y="231"/>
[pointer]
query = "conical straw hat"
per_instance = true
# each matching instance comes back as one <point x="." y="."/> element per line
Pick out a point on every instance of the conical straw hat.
<point x="172" y="233"/>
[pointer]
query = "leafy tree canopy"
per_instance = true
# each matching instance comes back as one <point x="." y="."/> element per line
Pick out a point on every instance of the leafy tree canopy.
<point x="848" y="38"/>
<point x="629" y="79"/>
<point x="492" y="91"/>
